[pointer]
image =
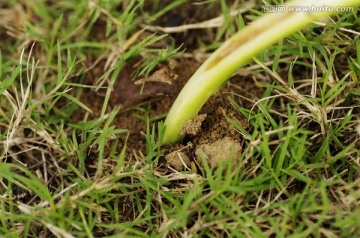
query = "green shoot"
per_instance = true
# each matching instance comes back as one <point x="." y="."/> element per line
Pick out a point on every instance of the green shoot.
<point x="237" y="51"/>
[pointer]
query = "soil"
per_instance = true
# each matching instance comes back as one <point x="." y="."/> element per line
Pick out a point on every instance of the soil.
<point x="210" y="129"/>
<point x="218" y="152"/>
<point x="157" y="92"/>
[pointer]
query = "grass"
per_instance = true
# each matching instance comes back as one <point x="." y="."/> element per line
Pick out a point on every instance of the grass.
<point x="234" y="53"/>
<point x="68" y="176"/>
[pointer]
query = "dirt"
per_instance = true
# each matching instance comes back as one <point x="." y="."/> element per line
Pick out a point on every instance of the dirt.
<point x="218" y="152"/>
<point x="154" y="96"/>
<point x="193" y="126"/>
<point x="209" y="132"/>
<point x="178" y="160"/>
<point x="211" y="136"/>
<point x="156" y="93"/>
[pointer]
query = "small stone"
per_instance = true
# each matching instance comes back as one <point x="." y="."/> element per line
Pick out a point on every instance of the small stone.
<point x="178" y="160"/>
<point x="218" y="151"/>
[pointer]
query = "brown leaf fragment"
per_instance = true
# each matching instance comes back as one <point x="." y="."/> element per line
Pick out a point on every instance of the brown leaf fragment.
<point x="128" y="93"/>
<point x="163" y="75"/>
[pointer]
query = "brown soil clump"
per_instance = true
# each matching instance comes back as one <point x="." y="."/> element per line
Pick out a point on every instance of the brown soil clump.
<point x="218" y="152"/>
<point x="193" y="126"/>
<point x="211" y="135"/>
<point x="178" y="160"/>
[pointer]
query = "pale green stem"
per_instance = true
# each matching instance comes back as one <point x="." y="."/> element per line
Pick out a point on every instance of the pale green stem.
<point x="237" y="51"/>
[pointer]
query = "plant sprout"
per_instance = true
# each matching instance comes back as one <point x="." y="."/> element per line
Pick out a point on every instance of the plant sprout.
<point x="240" y="49"/>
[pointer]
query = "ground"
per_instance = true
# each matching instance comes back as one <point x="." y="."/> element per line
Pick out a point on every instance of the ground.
<point x="85" y="88"/>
